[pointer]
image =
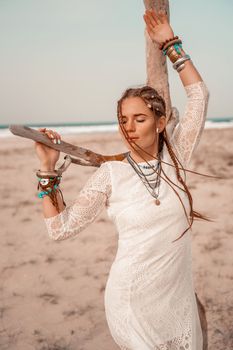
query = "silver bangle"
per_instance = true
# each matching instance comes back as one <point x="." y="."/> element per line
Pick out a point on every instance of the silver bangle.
<point x="180" y="61"/>
<point x="58" y="172"/>
<point x="180" y="67"/>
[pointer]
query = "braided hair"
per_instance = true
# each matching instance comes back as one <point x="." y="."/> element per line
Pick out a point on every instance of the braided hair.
<point x="157" y="104"/>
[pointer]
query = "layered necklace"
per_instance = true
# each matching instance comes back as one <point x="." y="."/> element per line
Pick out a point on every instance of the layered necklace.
<point x="151" y="184"/>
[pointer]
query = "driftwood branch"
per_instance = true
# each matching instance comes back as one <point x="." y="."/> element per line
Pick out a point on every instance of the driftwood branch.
<point x="157" y="74"/>
<point x="88" y="157"/>
<point x="157" y="77"/>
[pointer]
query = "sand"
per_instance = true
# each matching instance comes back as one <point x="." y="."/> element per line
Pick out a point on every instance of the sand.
<point x="52" y="293"/>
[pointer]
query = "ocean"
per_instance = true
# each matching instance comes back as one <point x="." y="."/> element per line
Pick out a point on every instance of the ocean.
<point x="81" y="128"/>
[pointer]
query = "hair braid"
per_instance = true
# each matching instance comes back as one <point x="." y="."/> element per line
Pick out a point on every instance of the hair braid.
<point x="151" y="96"/>
<point x="193" y="214"/>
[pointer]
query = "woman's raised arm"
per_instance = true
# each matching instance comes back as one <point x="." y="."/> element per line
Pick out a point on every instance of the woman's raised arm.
<point x="188" y="130"/>
<point x="160" y="31"/>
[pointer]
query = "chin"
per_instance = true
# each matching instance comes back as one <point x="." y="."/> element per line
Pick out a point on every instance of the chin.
<point x="149" y="147"/>
<point x="135" y="146"/>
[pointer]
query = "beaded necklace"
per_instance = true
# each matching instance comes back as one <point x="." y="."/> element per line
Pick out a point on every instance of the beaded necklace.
<point x="152" y="185"/>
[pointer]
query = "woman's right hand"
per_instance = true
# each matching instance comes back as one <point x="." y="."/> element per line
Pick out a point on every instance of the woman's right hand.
<point x="48" y="156"/>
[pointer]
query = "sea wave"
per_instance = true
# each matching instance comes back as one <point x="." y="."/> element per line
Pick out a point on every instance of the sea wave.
<point x="82" y="129"/>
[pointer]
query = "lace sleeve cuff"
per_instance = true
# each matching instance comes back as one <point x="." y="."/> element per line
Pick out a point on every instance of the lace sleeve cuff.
<point x="87" y="206"/>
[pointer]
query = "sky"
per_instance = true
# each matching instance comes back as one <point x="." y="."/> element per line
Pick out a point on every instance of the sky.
<point x="69" y="61"/>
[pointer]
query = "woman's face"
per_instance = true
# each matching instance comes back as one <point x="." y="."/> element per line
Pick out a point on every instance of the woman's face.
<point x="138" y="121"/>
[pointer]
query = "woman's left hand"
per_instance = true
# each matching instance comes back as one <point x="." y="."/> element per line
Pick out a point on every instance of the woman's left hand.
<point x="157" y="26"/>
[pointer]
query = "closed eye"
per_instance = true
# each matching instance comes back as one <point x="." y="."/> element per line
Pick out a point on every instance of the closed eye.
<point x="123" y="121"/>
<point x="139" y="121"/>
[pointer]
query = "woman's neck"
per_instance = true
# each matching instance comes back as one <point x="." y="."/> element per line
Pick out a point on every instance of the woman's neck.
<point x="138" y="157"/>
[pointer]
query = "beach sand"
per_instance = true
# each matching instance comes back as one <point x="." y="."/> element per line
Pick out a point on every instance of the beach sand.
<point x="52" y="293"/>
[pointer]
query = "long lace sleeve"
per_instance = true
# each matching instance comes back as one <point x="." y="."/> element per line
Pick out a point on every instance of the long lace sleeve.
<point x="187" y="132"/>
<point x="86" y="207"/>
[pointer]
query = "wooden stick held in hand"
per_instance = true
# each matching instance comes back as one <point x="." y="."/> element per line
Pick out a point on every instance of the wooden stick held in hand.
<point x="88" y="157"/>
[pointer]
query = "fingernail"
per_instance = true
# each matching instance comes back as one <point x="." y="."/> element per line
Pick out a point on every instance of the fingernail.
<point x="59" y="142"/>
<point x="52" y="136"/>
<point x="54" y="141"/>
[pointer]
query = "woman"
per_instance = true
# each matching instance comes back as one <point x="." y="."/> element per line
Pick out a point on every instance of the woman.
<point x="149" y="297"/>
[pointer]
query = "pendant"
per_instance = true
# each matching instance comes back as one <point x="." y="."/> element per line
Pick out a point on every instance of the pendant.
<point x="157" y="202"/>
<point x="44" y="182"/>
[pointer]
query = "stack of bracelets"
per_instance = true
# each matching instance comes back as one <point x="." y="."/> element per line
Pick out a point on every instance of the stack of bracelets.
<point x="172" y="48"/>
<point x="49" y="184"/>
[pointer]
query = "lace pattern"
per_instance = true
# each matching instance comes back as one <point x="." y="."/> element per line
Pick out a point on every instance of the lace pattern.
<point x="187" y="133"/>
<point x="84" y="210"/>
<point x="179" y="343"/>
<point x="149" y="296"/>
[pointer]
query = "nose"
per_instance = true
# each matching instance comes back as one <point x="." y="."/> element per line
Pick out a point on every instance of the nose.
<point x="130" y="126"/>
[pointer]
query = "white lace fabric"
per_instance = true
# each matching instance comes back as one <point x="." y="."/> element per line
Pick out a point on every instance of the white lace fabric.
<point x="84" y="210"/>
<point x="149" y="297"/>
<point x="187" y="133"/>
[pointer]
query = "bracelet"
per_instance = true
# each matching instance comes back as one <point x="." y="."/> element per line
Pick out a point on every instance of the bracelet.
<point x="52" y="193"/>
<point x="167" y="41"/>
<point x="48" y="182"/>
<point x="49" y="186"/>
<point x="58" y="172"/>
<point x="180" y="61"/>
<point x="44" y="193"/>
<point x="176" y="42"/>
<point x="173" y="54"/>
<point x="43" y="181"/>
<point x="180" y="67"/>
<point x="47" y="174"/>
<point x="173" y="47"/>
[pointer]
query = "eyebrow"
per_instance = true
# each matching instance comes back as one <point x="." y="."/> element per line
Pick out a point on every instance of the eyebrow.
<point x="135" y="115"/>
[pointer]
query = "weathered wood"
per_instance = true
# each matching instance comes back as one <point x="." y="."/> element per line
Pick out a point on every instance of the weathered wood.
<point x="157" y="77"/>
<point x="157" y="73"/>
<point x="87" y="156"/>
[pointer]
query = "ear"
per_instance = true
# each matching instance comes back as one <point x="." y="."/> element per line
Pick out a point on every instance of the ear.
<point x="161" y="123"/>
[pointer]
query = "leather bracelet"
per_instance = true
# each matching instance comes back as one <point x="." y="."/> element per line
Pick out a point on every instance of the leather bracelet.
<point x="47" y="174"/>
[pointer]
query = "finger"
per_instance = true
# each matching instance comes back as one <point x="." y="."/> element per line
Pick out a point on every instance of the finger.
<point x="50" y="135"/>
<point x="55" y="136"/>
<point x="151" y="19"/>
<point x="155" y="16"/>
<point x="58" y="137"/>
<point x="148" y="23"/>
<point x="41" y="129"/>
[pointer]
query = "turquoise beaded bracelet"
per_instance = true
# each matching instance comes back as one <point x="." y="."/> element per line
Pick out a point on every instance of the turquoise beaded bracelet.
<point x="177" y="47"/>
<point x="44" y="193"/>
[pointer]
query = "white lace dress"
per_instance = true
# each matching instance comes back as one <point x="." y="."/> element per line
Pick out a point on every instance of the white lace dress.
<point x="149" y="297"/>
